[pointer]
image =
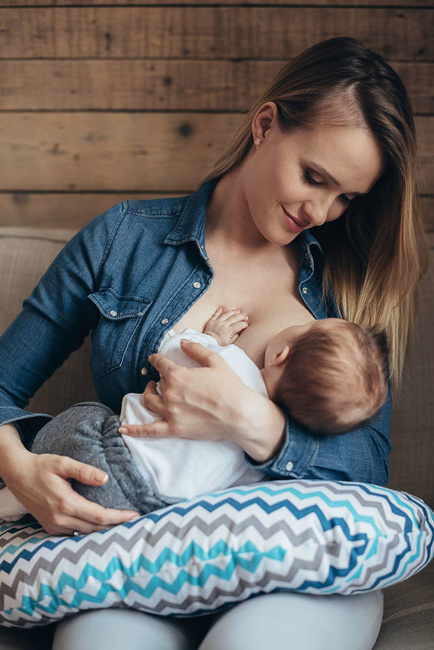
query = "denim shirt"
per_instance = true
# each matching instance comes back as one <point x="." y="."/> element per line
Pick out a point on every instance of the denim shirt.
<point x="127" y="277"/>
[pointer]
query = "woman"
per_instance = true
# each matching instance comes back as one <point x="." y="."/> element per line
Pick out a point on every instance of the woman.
<point x="311" y="213"/>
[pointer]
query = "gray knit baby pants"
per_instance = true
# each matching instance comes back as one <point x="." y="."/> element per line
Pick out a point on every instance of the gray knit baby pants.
<point x="89" y="432"/>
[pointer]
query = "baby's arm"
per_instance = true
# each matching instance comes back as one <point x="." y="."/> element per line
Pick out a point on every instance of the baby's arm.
<point x="226" y="326"/>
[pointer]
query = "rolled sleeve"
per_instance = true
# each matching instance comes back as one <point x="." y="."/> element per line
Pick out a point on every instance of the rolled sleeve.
<point x="27" y="424"/>
<point x="360" y="455"/>
<point x="295" y="456"/>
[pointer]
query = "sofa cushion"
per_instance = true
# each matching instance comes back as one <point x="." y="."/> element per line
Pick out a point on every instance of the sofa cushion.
<point x="315" y="537"/>
<point x="408" y="621"/>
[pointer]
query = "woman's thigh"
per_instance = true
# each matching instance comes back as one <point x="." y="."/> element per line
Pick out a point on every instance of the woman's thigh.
<point x="289" y="621"/>
<point x="284" y="621"/>
<point x="114" y="629"/>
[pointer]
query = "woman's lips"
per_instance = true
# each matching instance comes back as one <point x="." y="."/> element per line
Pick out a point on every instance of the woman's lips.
<point x="293" y="225"/>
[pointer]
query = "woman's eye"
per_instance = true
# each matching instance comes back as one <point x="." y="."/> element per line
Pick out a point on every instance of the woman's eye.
<point x="309" y="179"/>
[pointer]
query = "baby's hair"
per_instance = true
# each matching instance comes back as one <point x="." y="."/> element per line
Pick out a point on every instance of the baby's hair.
<point x="335" y="378"/>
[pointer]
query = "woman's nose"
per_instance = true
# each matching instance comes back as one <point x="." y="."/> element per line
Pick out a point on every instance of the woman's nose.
<point x="316" y="212"/>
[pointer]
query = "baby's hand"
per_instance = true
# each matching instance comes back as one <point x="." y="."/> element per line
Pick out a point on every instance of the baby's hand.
<point x="225" y="326"/>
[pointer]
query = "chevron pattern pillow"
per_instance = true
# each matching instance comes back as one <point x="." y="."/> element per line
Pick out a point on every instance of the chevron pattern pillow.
<point x="315" y="537"/>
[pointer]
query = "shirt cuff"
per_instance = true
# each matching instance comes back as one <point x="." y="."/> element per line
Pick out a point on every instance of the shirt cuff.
<point x="27" y="424"/>
<point x="294" y="457"/>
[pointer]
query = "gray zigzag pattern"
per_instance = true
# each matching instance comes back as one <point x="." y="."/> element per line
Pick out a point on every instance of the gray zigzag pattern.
<point x="391" y="524"/>
<point x="243" y="589"/>
<point x="169" y="528"/>
<point x="297" y="566"/>
<point x="191" y="605"/>
<point x="367" y="502"/>
<point x="73" y="553"/>
<point x="8" y="537"/>
<point x="175" y="530"/>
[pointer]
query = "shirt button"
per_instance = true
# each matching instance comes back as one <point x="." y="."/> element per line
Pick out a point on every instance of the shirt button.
<point x="164" y="321"/>
<point x="289" y="466"/>
<point x="197" y="285"/>
<point x="143" y="371"/>
<point x="113" y="313"/>
<point x="305" y="290"/>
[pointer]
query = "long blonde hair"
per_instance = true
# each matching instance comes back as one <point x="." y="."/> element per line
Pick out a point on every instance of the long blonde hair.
<point x="376" y="253"/>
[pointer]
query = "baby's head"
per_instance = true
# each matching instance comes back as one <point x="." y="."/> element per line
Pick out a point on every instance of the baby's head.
<point x="330" y="374"/>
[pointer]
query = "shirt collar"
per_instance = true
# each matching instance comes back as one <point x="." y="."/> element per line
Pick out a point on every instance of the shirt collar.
<point x="191" y="224"/>
<point x="308" y="245"/>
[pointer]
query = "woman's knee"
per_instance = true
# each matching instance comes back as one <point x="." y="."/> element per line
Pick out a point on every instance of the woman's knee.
<point x="299" y="622"/>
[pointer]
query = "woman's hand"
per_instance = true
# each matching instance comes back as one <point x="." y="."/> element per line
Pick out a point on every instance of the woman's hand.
<point x="210" y="403"/>
<point x="42" y="483"/>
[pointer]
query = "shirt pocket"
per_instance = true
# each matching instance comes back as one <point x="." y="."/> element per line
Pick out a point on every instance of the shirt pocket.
<point x="119" y="317"/>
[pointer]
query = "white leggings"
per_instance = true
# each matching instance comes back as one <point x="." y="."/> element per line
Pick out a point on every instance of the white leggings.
<point x="282" y="621"/>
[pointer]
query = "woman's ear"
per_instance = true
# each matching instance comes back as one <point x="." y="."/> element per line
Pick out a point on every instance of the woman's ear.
<point x="280" y="357"/>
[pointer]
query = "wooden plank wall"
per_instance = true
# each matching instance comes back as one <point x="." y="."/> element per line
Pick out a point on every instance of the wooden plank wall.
<point x="112" y="99"/>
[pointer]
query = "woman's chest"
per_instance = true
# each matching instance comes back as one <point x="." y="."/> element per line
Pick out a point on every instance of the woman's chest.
<point x="268" y="294"/>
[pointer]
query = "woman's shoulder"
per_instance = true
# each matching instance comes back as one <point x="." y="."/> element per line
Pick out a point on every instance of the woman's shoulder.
<point x="167" y="207"/>
<point x="129" y="209"/>
<point x="129" y="220"/>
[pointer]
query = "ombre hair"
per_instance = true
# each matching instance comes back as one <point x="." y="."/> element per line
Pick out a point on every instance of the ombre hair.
<point x="375" y="253"/>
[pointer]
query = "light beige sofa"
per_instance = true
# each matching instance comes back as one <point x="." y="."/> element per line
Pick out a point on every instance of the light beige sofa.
<point x="409" y="606"/>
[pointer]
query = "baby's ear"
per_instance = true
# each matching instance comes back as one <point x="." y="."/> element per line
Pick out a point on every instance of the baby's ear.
<point x="280" y="357"/>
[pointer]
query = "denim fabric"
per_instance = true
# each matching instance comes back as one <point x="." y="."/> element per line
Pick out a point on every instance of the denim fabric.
<point x="88" y="432"/>
<point x="127" y="277"/>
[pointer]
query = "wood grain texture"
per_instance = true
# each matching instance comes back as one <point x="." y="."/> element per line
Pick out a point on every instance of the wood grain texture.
<point x="110" y="151"/>
<point x="213" y="32"/>
<point x="330" y="3"/>
<point x="113" y="99"/>
<point x="73" y="210"/>
<point x="175" y="85"/>
<point x="156" y="152"/>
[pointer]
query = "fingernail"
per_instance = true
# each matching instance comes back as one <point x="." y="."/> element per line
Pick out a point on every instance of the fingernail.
<point x="123" y="430"/>
<point x="101" y="478"/>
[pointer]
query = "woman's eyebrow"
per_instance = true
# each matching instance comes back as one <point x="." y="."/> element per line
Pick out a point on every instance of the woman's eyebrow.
<point x="336" y="182"/>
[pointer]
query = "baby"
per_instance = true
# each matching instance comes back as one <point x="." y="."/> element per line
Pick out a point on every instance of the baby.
<point x="331" y="375"/>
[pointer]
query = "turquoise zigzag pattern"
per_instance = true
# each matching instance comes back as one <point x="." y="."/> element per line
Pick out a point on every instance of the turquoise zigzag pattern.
<point x="319" y="537"/>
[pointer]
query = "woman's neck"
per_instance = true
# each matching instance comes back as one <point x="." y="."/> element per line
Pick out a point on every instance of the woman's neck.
<point x="228" y="219"/>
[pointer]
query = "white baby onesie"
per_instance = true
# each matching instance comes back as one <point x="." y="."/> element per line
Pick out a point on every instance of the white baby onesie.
<point x="178" y="468"/>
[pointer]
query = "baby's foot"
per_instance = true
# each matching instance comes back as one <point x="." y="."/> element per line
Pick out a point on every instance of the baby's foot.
<point x="226" y="326"/>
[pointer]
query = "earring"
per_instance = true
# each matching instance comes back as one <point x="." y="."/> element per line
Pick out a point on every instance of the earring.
<point x="258" y="141"/>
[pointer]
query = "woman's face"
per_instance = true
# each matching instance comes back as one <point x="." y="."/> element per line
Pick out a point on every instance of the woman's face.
<point x="304" y="178"/>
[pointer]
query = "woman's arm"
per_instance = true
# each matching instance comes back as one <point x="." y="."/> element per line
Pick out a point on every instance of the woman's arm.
<point x="212" y="403"/>
<point x="54" y="321"/>
<point x="360" y="455"/>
